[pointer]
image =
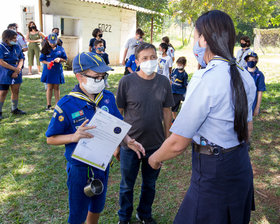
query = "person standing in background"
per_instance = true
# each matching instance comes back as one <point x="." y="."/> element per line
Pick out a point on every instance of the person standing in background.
<point x="34" y="37"/>
<point x="170" y="52"/>
<point x="20" y="38"/>
<point x="130" y="47"/>
<point x="97" y="35"/>
<point x="245" y="44"/>
<point x="11" y="62"/>
<point x="52" y="74"/>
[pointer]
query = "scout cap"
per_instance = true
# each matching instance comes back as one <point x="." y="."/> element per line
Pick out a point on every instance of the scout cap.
<point x="251" y="54"/>
<point x="52" y="38"/>
<point x="89" y="60"/>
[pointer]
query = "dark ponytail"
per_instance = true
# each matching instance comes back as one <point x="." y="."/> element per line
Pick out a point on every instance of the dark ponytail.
<point x="218" y="30"/>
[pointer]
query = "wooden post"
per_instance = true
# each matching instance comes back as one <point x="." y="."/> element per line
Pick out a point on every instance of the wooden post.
<point x="40" y="16"/>
<point x="152" y="29"/>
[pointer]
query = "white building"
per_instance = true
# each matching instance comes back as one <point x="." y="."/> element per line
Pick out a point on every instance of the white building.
<point x="76" y="20"/>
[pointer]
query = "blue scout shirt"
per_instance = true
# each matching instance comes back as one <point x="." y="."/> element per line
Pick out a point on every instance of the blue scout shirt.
<point x="260" y="84"/>
<point x="208" y="109"/>
<point x="131" y="63"/>
<point x="71" y="112"/>
<point x="12" y="55"/>
<point x="179" y="81"/>
<point x="55" y="74"/>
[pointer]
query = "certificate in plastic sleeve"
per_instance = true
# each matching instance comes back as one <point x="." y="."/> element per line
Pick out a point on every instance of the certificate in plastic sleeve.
<point x="108" y="134"/>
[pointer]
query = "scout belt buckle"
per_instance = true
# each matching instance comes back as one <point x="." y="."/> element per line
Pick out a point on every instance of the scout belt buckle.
<point x="93" y="187"/>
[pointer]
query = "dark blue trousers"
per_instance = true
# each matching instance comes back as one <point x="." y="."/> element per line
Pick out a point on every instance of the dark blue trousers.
<point x="221" y="190"/>
<point x="130" y="165"/>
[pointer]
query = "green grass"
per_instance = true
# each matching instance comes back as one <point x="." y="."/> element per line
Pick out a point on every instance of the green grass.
<point x="33" y="177"/>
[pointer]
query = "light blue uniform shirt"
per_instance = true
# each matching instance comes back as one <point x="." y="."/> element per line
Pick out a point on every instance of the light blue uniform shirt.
<point x="208" y="109"/>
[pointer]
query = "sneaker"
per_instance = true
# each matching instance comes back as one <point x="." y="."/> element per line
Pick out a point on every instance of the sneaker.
<point x="123" y="222"/>
<point x="18" y="112"/>
<point x="145" y="220"/>
<point x="49" y="108"/>
<point x="1" y="117"/>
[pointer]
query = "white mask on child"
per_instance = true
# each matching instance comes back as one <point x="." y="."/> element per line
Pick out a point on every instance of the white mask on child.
<point x="93" y="87"/>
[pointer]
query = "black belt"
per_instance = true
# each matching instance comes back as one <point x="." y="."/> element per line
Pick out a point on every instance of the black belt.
<point x="213" y="150"/>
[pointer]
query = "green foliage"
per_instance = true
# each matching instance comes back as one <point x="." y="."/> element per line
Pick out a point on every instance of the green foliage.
<point x="244" y="13"/>
<point x="144" y="20"/>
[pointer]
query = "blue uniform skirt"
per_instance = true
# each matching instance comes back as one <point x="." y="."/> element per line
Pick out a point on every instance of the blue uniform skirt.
<point x="221" y="190"/>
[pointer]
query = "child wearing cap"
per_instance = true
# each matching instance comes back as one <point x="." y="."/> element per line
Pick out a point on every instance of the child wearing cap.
<point x="51" y="56"/>
<point x="179" y="78"/>
<point x="68" y="126"/>
<point x="252" y="60"/>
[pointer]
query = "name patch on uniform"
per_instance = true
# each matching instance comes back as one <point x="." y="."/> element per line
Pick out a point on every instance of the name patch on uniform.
<point x="105" y="108"/>
<point x="58" y="109"/>
<point x="61" y="118"/>
<point x="79" y="119"/>
<point x="77" y="114"/>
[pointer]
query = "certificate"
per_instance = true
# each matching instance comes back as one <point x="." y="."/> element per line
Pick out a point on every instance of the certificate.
<point x="108" y="134"/>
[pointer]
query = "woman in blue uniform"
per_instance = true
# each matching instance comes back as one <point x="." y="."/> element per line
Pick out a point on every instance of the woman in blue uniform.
<point x="52" y="74"/>
<point x="215" y="118"/>
<point x="11" y="61"/>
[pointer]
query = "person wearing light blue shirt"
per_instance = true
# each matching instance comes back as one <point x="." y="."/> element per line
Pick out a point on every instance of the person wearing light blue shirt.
<point x="216" y="118"/>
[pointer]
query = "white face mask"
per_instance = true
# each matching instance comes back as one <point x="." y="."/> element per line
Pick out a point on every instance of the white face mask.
<point x="93" y="87"/>
<point x="160" y="53"/>
<point x="148" y="67"/>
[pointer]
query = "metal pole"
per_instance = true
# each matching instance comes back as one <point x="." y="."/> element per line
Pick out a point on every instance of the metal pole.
<point x="40" y="16"/>
<point x="152" y="29"/>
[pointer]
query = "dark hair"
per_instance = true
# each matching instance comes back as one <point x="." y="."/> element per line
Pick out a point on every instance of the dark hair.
<point x="8" y="35"/>
<point x="247" y="40"/>
<point x="46" y="49"/>
<point x="95" y="32"/>
<point x="164" y="46"/>
<point x="98" y="42"/>
<point x="247" y="58"/>
<point x="218" y="30"/>
<point x="29" y="28"/>
<point x="11" y="25"/>
<point x="140" y="32"/>
<point x="182" y="60"/>
<point x="167" y="41"/>
<point x="55" y="28"/>
<point x="143" y="46"/>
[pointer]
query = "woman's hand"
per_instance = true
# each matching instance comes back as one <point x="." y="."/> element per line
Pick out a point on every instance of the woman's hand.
<point x="14" y="75"/>
<point x="81" y="132"/>
<point x="154" y="163"/>
<point x="57" y="60"/>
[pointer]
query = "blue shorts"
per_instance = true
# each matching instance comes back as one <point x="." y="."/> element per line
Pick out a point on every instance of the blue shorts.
<point x="79" y="203"/>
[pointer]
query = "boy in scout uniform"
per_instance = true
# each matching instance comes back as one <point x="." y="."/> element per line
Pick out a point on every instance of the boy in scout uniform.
<point x="68" y="126"/>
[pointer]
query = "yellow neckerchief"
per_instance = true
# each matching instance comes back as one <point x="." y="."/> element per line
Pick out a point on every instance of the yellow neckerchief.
<point x="223" y="59"/>
<point x="83" y="96"/>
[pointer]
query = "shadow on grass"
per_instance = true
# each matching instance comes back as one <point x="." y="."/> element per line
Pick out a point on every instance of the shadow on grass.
<point x="33" y="178"/>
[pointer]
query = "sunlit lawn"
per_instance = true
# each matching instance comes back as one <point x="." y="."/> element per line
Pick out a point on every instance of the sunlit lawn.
<point x="33" y="178"/>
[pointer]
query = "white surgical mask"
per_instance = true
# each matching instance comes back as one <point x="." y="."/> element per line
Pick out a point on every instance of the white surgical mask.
<point x="93" y="87"/>
<point x="148" y="67"/>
